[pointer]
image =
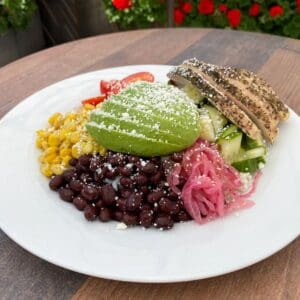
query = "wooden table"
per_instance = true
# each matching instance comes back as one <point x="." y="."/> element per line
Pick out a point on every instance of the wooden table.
<point x="24" y="276"/>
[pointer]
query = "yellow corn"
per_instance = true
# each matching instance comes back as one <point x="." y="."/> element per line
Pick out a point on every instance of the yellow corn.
<point x="46" y="170"/>
<point x="65" y="152"/>
<point x="57" y="169"/>
<point x="66" y="137"/>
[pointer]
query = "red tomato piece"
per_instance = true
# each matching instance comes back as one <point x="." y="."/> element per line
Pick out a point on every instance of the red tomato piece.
<point x="111" y="87"/>
<point x="95" y="100"/>
<point x="141" y="76"/>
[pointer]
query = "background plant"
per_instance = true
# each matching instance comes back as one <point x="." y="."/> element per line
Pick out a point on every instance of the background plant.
<point x="15" y="14"/>
<point x="280" y="17"/>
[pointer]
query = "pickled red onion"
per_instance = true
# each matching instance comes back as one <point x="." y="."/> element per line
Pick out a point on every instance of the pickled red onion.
<point x="212" y="187"/>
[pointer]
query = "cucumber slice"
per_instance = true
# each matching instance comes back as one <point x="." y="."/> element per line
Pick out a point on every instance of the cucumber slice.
<point x="228" y="130"/>
<point x="248" y="165"/>
<point x="207" y="131"/>
<point x="248" y="143"/>
<point x="231" y="146"/>
<point x="250" y="154"/>
<point x="218" y="120"/>
<point x="193" y="93"/>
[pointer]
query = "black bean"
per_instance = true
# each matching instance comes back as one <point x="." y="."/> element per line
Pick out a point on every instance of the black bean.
<point x="183" y="216"/>
<point x="111" y="174"/>
<point x="118" y="215"/>
<point x="95" y="164"/>
<point x="155" y="179"/>
<point x="86" y="178"/>
<point x="140" y="179"/>
<point x="69" y="174"/>
<point x="145" y="206"/>
<point x="133" y="159"/>
<point x="56" y="182"/>
<point x="133" y="202"/>
<point x="125" y="193"/>
<point x="177" y="156"/>
<point x="76" y="185"/>
<point x="146" y="218"/>
<point x="89" y="193"/>
<point x="108" y="194"/>
<point x="85" y="160"/>
<point x="172" y="195"/>
<point x="130" y="219"/>
<point x="125" y="171"/>
<point x="99" y="203"/>
<point x="144" y="189"/>
<point x="91" y="212"/>
<point x="105" y="214"/>
<point x="175" y="208"/>
<point x="125" y="182"/>
<point x="155" y="159"/>
<point x="73" y="162"/>
<point x="164" y="222"/>
<point x="121" y="204"/>
<point x="150" y="168"/>
<point x="98" y="177"/>
<point x="165" y="205"/>
<point x="66" y="194"/>
<point x="116" y="159"/>
<point x="155" y="196"/>
<point x="79" y="202"/>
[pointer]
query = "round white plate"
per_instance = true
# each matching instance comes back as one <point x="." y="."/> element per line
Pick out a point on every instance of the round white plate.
<point x="35" y="218"/>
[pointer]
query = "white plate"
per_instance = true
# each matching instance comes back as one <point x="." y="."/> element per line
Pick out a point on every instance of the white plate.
<point x="36" y="219"/>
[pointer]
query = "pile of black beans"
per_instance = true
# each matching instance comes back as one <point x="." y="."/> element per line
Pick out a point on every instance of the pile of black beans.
<point x="124" y="188"/>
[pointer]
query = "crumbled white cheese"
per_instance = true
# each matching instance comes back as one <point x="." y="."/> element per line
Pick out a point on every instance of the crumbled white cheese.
<point x="246" y="179"/>
<point x="121" y="226"/>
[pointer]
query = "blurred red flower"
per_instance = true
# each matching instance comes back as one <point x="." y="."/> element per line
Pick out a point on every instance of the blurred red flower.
<point x="223" y="8"/>
<point x="298" y="5"/>
<point x="276" y="11"/>
<point x="254" y="10"/>
<point x="122" y="4"/>
<point x="187" y="7"/>
<point x="234" y="17"/>
<point x="206" y="7"/>
<point x="178" y="16"/>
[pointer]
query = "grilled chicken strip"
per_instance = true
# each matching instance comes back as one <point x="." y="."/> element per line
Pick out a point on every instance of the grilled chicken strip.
<point x="258" y="109"/>
<point x="259" y="86"/>
<point x="184" y="75"/>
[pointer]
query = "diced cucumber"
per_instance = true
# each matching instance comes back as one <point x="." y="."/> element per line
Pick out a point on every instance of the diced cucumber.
<point x="248" y="143"/>
<point x="231" y="146"/>
<point x="228" y="130"/>
<point x="218" y="120"/>
<point x="250" y="154"/>
<point x="248" y="165"/>
<point x="193" y="93"/>
<point x="207" y="131"/>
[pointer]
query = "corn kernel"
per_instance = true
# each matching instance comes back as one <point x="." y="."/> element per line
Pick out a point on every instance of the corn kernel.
<point x="66" y="160"/>
<point x="56" y="160"/>
<point x="55" y="119"/>
<point x="87" y="148"/>
<point x="44" y="145"/>
<point x="70" y="126"/>
<point x="39" y="142"/>
<point x="41" y="133"/>
<point x="53" y="139"/>
<point x="57" y="169"/>
<point x="70" y="116"/>
<point x="65" y="144"/>
<point x="89" y="106"/>
<point x="65" y="152"/>
<point x="50" y="157"/>
<point x="74" y="137"/>
<point x="76" y="151"/>
<point x="50" y="150"/>
<point x="102" y="150"/>
<point x="46" y="170"/>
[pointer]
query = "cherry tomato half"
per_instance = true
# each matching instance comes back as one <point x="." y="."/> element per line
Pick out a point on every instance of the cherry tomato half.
<point x="95" y="100"/>
<point x="141" y="76"/>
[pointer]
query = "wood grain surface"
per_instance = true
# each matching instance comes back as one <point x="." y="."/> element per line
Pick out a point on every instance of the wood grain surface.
<point x="24" y="276"/>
